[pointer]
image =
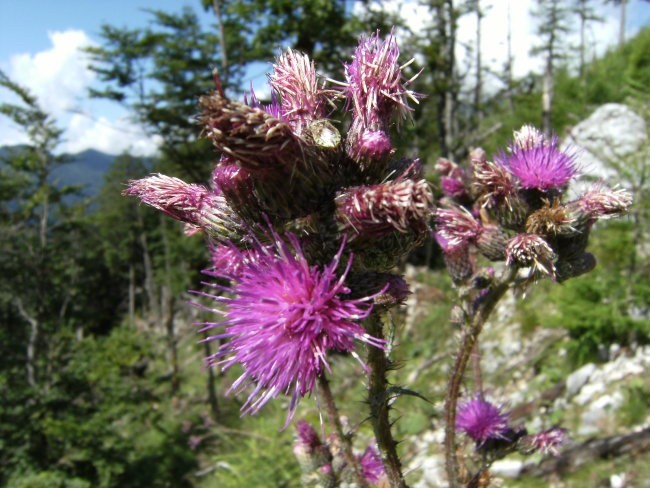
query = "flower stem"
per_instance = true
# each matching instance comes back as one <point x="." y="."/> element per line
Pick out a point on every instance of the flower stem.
<point x="481" y="311"/>
<point x="379" y="408"/>
<point x="335" y="421"/>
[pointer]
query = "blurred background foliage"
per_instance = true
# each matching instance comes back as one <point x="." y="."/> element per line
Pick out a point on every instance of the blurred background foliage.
<point x="101" y="381"/>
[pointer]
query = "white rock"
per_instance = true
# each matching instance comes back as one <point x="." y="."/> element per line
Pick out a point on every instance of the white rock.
<point x="578" y="379"/>
<point x="611" y="133"/>
<point x="618" y="480"/>
<point x="507" y="468"/>
<point x="433" y="473"/>
<point x="599" y="414"/>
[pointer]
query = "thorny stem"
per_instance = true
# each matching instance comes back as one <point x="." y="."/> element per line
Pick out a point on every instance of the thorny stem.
<point x="378" y="400"/>
<point x="335" y="421"/>
<point x="474" y="326"/>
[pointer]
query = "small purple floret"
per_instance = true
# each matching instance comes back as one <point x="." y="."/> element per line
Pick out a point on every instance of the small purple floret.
<point x="481" y="420"/>
<point x="542" y="166"/>
<point x="372" y="466"/>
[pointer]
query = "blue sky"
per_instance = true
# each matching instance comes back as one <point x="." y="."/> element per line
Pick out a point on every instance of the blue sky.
<point x="40" y="40"/>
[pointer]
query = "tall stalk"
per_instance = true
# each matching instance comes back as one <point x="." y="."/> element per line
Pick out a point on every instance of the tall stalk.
<point x="482" y="308"/>
<point x="379" y="408"/>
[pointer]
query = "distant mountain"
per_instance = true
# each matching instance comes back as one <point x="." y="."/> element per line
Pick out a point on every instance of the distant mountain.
<point x="85" y="169"/>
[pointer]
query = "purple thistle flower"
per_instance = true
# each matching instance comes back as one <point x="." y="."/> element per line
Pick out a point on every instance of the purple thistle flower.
<point x="482" y="420"/>
<point x="457" y="227"/>
<point x="376" y="91"/>
<point x="372" y="467"/>
<point x="274" y="108"/>
<point x="546" y="442"/>
<point x="281" y="320"/>
<point x="538" y="162"/>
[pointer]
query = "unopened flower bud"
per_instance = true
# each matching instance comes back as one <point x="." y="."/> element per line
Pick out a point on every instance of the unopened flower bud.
<point x="530" y="250"/>
<point x="377" y="210"/>
<point x="492" y="242"/>
<point x="546" y="442"/>
<point x="600" y="202"/>
<point x="189" y="203"/>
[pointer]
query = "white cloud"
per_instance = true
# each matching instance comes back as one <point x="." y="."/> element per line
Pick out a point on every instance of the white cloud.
<point x="85" y="132"/>
<point x="59" y="77"/>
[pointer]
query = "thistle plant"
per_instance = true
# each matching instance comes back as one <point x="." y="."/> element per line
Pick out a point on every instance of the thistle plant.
<point x="307" y="214"/>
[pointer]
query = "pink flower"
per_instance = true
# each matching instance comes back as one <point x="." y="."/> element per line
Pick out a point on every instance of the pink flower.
<point x="538" y="162"/>
<point x="481" y="420"/>
<point x="282" y="317"/>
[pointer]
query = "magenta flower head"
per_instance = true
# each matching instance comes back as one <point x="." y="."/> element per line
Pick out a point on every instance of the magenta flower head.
<point x="377" y="92"/>
<point x="482" y="420"/>
<point x="372" y="466"/>
<point x="538" y="162"/>
<point x="282" y="317"/>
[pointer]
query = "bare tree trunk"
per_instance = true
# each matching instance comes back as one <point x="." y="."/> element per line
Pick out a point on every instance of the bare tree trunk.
<point x="167" y="318"/>
<point x="131" y="318"/>
<point x="216" y="7"/>
<point x="623" y="21"/>
<point x="509" y="63"/>
<point x="167" y="308"/>
<point x="212" y="390"/>
<point x="34" y="331"/>
<point x="583" y="26"/>
<point x="149" y="283"/>
<point x="547" y="96"/>
<point x="479" y="66"/>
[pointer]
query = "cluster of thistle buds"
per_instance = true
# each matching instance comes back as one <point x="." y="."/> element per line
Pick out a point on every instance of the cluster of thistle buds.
<point x="323" y="464"/>
<point x="307" y="213"/>
<point x="515" y="209"/>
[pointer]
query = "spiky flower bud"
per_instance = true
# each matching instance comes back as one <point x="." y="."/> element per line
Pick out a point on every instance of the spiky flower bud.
<point x="377" y="92"/>
<point x="546" y="442"/>
<point x="530" y="250"/>
<point x="492" y="242"/>
<point x="457" y="227"/>
<point x="600" y="202"/>
<point x="189" y="203"/>
<point x="302" y="100"/>
<point x="551" y="220"/>
<point x="377" y="210"/>
<point x="458" y="259"/>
